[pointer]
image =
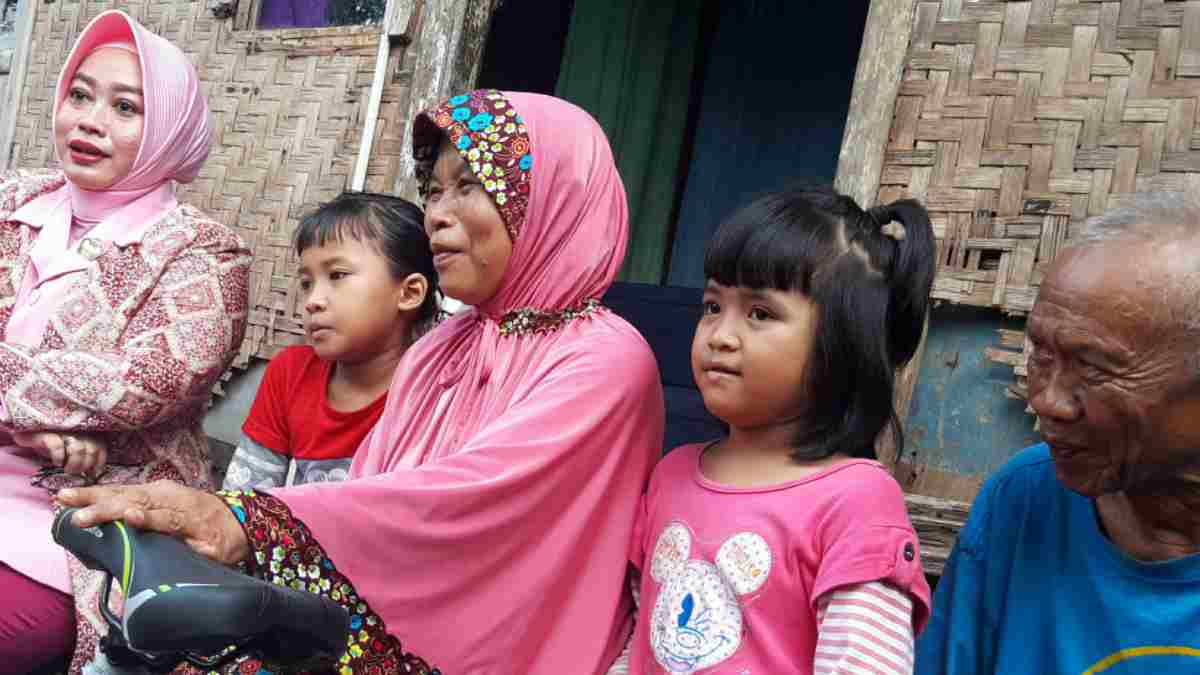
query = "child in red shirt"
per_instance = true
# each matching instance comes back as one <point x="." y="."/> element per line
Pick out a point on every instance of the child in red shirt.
<point x="370" y="289"/>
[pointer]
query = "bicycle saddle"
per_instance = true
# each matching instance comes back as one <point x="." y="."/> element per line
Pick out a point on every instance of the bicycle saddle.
<point x="182" y="606"/>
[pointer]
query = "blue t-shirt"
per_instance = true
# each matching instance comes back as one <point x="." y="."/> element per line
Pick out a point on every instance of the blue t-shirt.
<point x="1033" y="586"/>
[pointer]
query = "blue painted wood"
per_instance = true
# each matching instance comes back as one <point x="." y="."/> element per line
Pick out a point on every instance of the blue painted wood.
<point x="776" y="92"/>
<point x="961" y="421"/>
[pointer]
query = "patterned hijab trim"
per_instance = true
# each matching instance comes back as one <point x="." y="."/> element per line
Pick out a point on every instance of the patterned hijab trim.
<point x="529" y="321"/>
<point x="485" y="129"/>
<point x="490" y="136"/>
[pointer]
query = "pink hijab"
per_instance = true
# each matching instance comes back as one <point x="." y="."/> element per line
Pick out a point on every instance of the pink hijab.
<point x="176" y="132"/>
<point x="489" y="513"/>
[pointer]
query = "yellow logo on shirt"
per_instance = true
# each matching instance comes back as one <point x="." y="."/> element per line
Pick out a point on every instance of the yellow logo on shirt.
<point x="1139" y="652"/>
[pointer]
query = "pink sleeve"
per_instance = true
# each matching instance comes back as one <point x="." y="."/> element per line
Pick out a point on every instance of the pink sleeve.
<point x="864" y="629"/>
<point x="866" y="536"/>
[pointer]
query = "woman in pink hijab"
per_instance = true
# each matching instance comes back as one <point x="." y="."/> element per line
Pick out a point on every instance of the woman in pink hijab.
<point x="487" y="520"/>
<point x="120" y="308"/>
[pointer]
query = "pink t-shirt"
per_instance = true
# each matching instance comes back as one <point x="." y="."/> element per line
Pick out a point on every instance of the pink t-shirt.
<point x="731" y="576"/>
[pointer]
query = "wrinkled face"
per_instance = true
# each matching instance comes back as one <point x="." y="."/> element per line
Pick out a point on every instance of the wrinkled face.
<point x="98" y="126"/>
<point x="749" y="353"/>
<point x="354" y="307"/>
<point x="1111" y="377"/>
<point x="470" y="244"/>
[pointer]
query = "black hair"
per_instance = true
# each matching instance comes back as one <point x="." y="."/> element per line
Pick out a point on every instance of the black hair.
<point x="869" y="274"/>
<point x="394" y="226"/>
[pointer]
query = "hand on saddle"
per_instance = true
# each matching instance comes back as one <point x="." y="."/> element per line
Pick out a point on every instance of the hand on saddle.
<point x="200" y="519"/>
<point x="78" y="454"/>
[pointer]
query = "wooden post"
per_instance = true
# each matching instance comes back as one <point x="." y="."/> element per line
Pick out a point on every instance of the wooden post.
<point x="448" y="44"/>
<point x="16" y="79"/>
<point x="864" y="142"/>
<point x="876" y="85"/>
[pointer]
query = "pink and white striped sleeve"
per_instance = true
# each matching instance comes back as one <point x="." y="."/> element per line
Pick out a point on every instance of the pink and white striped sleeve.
<point x="865" y="629"/>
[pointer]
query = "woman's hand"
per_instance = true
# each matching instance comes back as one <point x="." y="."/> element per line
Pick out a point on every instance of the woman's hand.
<point x="74" y="453"/>
<point x="201" y="519"/>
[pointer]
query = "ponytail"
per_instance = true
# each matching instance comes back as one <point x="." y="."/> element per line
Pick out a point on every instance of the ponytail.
<point x="869" y="274"/>
<point x="909" y="253"/>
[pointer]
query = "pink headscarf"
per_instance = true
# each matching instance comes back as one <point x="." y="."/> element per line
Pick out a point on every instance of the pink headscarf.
<point x="176" y="132"/>
<point x="489" y="513"/>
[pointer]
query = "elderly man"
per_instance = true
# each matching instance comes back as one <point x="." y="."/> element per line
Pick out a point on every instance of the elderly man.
<point x="1082" y="555"/>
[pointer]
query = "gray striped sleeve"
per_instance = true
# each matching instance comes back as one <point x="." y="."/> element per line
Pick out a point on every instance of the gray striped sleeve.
<point x="255" y="466"/>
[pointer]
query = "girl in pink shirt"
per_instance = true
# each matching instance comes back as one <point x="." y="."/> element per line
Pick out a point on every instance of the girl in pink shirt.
<point x="785" y="547"/>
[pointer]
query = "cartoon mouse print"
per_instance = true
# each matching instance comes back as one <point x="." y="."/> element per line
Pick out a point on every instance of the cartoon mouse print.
<point x="697" y="620"/>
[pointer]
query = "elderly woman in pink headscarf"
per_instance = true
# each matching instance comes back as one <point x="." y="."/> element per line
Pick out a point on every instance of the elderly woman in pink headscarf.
<point x="120" y="309"/>
<point x="486" y="524"/>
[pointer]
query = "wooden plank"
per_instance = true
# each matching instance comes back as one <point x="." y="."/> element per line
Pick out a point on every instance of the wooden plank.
<point x="1009" y="157"/>
<point x="895" y="175"/>
<point x="918" y="88"/>
<point x="992" y="87"/>
<point x="1175" y="89"/>
<point x="1181" y="161"/>
<point x="1096" y="158"/>
<point x="904" y="125"/>
<point x="955" y="32"/>
<point x="1128" y="135"/>
<point x="1065" y="143"/>
<point x="1189" y="63"/>
<point x="1032" y="133"/>
<point x="967" y="107"/>
<point x="984" y="13"/>
<point x="1000" y="123"/>
<point x="1083" y="45"/>
<point x="909" y="157"/>
<point x="1062" y="108"/>
<point x="1137" y="39"/>
<point x="1125" y="170"/>
<point x="872" y="99"/>
<point x="1181" y="120"/>
<point x="1011" y="188"/>
<point x="1085" y="89"/>
<point x="1016" y="24"/>
<point x="1021" y="59"/>
<point x="1167" y="55"/>
<point x="1162" y="14"/>
<point x="1110" y="64"/>
<point x="930" y="59"/>
<point x="1071" y="183"/>
<point x="939" y="130"/>
<point x="950" y="199"/>
<point x="1084" y="14"/>
<point x="1146" y="110"/>
<point x="983" y="178"/>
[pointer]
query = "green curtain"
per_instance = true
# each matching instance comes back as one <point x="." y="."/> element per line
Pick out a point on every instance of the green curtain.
<point x="629" y="63"/>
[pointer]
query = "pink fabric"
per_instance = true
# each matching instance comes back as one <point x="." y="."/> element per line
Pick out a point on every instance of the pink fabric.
<point x="55" y="259"/>
<point x="27" y="519"/>
<point x="36" y="624"/>
<point x="488" y="515"/>
<point x="176" y="136"/>
<point x="177" y="129"/>
<point x="732" y="577"/>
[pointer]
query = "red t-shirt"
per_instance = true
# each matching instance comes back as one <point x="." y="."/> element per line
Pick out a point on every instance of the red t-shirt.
<point x="292" y="415"/>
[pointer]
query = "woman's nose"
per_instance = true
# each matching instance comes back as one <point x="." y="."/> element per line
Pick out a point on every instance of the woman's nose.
<point x="437" y="216"/>
<point x="93" y="121"/>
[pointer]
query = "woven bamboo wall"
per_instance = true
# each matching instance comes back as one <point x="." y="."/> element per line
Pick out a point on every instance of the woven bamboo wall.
<point x="1017" y="120"/>
<point x="288" y="107"/>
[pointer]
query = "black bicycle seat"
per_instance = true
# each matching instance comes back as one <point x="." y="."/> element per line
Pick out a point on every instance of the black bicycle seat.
<point x="180" y="605"/>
